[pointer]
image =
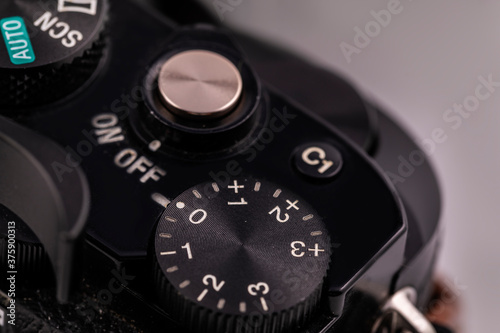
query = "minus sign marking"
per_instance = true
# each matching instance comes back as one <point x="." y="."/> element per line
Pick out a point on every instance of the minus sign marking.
<point x="264" y="304"/>
<point x="202" y="295"/>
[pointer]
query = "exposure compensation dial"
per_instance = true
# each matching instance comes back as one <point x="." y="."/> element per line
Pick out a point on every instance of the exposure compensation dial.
<point x="245" y="256"/>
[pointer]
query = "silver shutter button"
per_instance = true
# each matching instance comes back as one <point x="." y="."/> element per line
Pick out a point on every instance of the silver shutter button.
<point x="200" y="84"/>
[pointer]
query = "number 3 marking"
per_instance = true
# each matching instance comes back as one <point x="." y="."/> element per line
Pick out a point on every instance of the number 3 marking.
<point x="254" y="288"/>
<point x="278" y="213"/>
<point x="295" y="251"/>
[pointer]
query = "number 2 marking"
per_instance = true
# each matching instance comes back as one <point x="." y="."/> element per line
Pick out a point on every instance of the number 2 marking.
<point x="277" y="209"/>
<point x="217" y="287"/>
<point x="210" y="277"/>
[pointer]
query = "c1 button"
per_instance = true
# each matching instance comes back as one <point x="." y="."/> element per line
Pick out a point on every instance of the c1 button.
<point x="318" y="160"/>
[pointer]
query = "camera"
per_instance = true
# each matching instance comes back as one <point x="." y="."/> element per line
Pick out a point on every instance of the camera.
<point x="159" y="173"/>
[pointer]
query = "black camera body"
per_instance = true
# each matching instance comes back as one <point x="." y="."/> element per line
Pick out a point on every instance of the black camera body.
<point x="157" y="177"/>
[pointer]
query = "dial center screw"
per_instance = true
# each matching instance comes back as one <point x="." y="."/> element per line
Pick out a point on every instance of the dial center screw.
<point x="200" y="84"/>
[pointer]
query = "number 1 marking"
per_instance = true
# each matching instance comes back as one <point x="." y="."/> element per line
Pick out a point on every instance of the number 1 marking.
<point x="187" y="247"/>
<point x="238" y="203"/>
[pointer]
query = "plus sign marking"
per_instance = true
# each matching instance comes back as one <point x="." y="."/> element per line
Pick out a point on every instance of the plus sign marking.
<point x="292" y="204"/>
<point x="316" y="250"/>
<point x="235" y="186"/>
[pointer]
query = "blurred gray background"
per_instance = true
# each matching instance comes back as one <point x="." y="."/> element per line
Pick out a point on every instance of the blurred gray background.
<point x="426" y="59"/>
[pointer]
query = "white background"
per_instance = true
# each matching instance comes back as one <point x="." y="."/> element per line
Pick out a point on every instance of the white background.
<point x="428" y="58"/>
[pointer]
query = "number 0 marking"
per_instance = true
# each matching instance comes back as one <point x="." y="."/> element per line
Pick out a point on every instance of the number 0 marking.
<point x="201" y="219"/>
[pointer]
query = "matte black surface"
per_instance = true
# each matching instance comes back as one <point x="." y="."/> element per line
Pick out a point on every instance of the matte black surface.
<point x="360" y="209"/>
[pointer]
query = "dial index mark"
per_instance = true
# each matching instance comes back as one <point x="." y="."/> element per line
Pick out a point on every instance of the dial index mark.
<point x="184" y="284"/>
<point x="172" y="269"/>
<point x="307" y="217"/>
<point x="221" y="303"/>
<point x="160" y="199"/>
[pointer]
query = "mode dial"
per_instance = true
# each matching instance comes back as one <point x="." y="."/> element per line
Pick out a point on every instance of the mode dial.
<point x="248" y="256"/>
<point x="48" y="48"/>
